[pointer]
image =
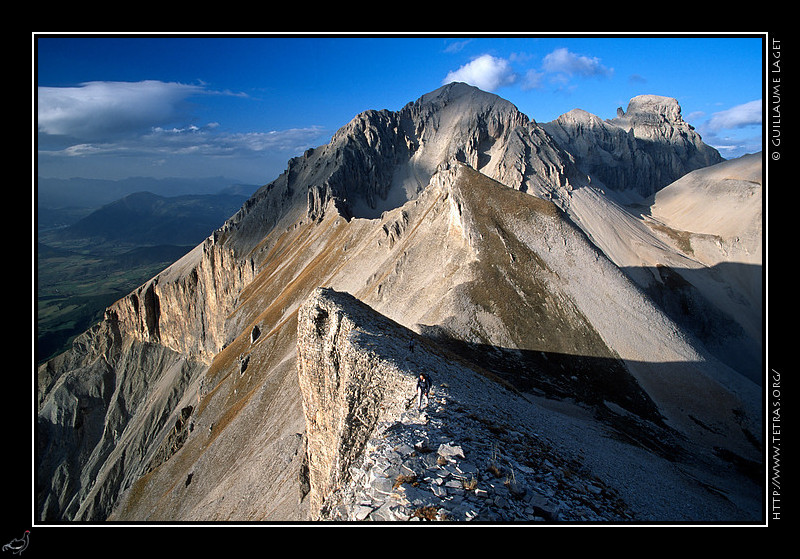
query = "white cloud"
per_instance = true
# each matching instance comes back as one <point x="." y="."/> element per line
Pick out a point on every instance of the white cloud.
<point x="558" y="67"/>
<point x="189" y="151"/>
<point x="737" y="117"/>
<point x="562" y="61"/>
<point x="458" y="46"/>
<point x="127" y="128"/>
<point x="486" y="72"/>
<point x="144" y="119"/>
<point x="694" y="116"/>
<point x="97" y="110"/>
<point x="291" y="141"/>
<point x="728" y="131"/>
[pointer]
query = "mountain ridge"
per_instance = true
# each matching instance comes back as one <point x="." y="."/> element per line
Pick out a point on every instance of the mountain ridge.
<point x="216" y="333"/>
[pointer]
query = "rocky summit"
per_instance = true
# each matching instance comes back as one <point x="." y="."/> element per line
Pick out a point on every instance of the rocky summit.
<point x="589" y="317"/>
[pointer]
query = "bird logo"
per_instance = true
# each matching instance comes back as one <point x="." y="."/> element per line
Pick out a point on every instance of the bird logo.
<point x="18" y="545"/>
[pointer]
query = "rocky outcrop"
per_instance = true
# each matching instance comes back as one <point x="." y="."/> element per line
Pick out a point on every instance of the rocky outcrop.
<point x="372" y="454"/>
<point x="348" y="387"/>
<point x="184" y="308"/>
<point x="643" y="149"/>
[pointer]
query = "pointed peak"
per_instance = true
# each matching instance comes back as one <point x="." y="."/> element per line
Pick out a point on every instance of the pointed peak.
<point x="456" y="89"/>
<point x="462" y="93"/>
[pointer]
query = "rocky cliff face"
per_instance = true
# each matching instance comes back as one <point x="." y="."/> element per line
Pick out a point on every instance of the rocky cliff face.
<point x="104" y="406"/>
<point x="382" y="159"/>
<point x="347" y="388"/>
<point x="215" y="392"/>
<point x="642" y="150"/>
<point x="375" y="454"/>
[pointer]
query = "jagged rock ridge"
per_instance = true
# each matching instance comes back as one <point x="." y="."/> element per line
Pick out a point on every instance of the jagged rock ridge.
<point x="398" y="210"/>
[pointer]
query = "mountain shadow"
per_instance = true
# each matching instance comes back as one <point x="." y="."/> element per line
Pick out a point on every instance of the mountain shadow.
<point x="726" y="317"/>
<point x="605" y="387"/>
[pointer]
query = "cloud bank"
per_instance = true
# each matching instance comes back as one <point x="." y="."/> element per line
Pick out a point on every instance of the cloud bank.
<point x="747" y="114"/>
<point x="717" y="130"/>
<point x="562" y="61"/>
<point x="147" y="123"/>
<point x="100" y="110"/>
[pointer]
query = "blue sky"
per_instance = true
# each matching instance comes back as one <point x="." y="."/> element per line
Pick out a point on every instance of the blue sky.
<point x="241" y="106"/>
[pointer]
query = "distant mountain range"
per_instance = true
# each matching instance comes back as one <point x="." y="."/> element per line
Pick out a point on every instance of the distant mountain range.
<point x="86" y="259"/>
<point x="147" y="218"/>
<point x="63" y="202"/>
<point x="53" y="193"/>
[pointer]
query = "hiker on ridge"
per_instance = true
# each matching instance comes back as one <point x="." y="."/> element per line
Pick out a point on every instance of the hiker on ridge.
<point x="423" y="389"/>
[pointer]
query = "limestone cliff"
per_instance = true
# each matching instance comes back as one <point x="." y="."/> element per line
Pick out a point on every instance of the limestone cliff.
<point x="104" y="406"/>
<point x="347" y="383"/>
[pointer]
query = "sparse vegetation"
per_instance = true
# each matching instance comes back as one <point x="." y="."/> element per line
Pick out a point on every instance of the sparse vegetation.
<point x="427" y="513"/>
<point x="510" y="479"/>
<point x="682" y="239"/>
<point x="493" y="468"/>
<point x="410" y="479"/>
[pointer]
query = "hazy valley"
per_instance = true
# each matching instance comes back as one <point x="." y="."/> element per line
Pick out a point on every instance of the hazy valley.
<point x="88" y="257"/>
